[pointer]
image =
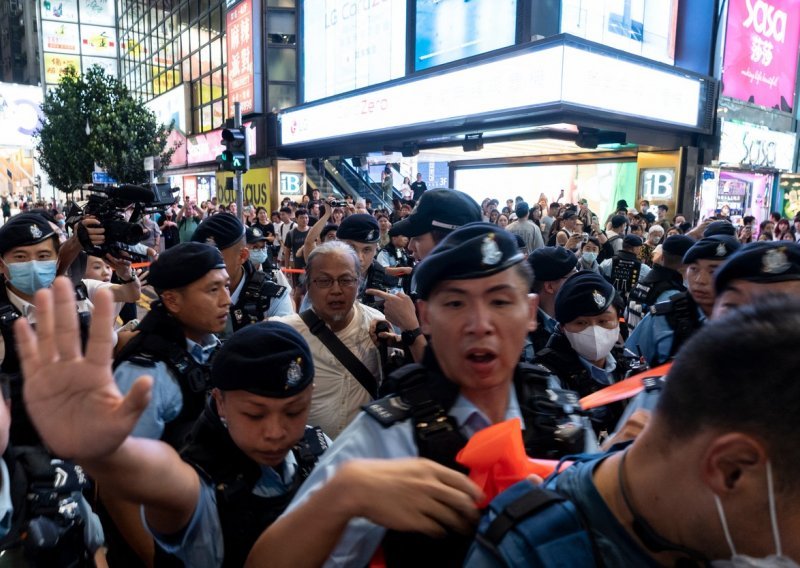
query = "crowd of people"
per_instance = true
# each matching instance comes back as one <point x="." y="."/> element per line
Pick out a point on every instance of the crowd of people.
<point x="302" y="388"/>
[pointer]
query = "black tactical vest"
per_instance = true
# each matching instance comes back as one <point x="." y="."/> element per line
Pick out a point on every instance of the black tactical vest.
<point x="161" y="338"/>
<point x="647" y="291"/>
<point x="255" y="298"/>
<point x="424" y="396"/>
<point x="625" y="270"/>
<point x="243" y="516"/>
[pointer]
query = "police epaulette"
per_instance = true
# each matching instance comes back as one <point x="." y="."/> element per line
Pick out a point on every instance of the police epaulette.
<point x="142" y="360"/>
<point x="388" y="410"/>
<point x="674" y="303"/>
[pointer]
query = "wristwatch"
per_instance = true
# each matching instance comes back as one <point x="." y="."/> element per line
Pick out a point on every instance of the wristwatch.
<point x="410" y="336"/>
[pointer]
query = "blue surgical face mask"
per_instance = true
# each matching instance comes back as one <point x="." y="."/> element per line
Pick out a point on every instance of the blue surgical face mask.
<point x="589" y="257"/>
<point x="33" y="275"/>
<point x="258" y="256"/>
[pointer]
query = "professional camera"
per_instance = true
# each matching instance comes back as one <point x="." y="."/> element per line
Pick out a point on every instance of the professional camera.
<point x="337" y="203"/>
<point x="108" y="204"/>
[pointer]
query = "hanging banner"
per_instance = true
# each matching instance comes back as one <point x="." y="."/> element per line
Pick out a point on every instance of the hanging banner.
<point x="760" y="61"/>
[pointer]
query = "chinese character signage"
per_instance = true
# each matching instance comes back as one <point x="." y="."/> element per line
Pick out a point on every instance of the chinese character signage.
<point x="242" y="68"/>
<point x="760" y="61"/>
<point x="67" y="40"/>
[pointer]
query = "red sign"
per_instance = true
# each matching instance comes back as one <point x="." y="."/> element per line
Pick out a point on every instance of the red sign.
<point x="239" y="38"/>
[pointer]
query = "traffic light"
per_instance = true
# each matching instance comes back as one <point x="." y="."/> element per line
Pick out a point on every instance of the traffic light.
<point x="235" y="157"/>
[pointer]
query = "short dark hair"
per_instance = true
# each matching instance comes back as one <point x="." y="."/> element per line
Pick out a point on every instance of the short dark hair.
<point x="286" y="209"/>
<point x="663" y="207"/>
<point x="718" y="380"/>
<point x="301" y="211"/>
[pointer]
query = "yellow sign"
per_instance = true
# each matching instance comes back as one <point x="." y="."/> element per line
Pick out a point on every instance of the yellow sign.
<point x="56" y="63"/>
<point x="256" y="188"/>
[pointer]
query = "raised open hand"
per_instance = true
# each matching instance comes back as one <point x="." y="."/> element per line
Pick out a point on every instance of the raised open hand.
<point x="71" y="398"/>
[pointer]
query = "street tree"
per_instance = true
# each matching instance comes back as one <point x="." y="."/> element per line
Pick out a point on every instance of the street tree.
<point x="94" y="119"/>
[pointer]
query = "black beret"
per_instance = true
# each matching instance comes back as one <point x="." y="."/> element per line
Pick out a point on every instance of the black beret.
<point x="677" y="245"/>
<point x="361" y="228"/>
<point x="254" y="235"/>
<point x="762" y="262"/>
<point x="476" y="250"/>
<point x="269" y="359"/>
<point x="221" y="230"/>
<point x="551" y="263"/>
<point x="583" y="294"/>
<point x="438" y="209"/>
<point x="718" y="247"/>
<point x="720" y="228"/>
<point x="24" y="229"/>
<point x="632" y="241"/>
<point x="183" y="264"/>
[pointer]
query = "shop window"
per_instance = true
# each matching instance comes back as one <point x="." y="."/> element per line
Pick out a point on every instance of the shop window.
<point x="281" y="96"/>
<point x="281" y="64"/>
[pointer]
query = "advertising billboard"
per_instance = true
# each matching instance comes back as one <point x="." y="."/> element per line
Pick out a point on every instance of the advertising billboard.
<point x="760" y="60"/>
<point x="349" y="44"/>
<point x="645" y="28"/>
<point x="67" y="40"/>
<point x="448" y="30"/>
<point x="20" y="111"/>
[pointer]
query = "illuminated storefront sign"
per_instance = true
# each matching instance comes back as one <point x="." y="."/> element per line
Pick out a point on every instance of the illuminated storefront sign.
<point x="755" y="146"/>
<point x="761" y="43"/>
<point x="547" y="76"/>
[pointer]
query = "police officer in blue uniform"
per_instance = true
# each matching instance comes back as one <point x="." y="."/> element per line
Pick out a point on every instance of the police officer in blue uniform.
<point x="755" y="270"/>
<point x="551" y="267"/>
<point x="669" y="324"/>
<point x="362" y="232"/>
<point x="246" y="455"/>
<point x="581" y="350"/>
<point x="174" y="344"/>
<point x="476" y="309"/>
<point x="664" y="280"/>
<point x="710" y="482"/>
<point x="255" y="296"/>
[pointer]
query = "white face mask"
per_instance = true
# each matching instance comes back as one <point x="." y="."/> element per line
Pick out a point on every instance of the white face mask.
<point x="589" y="257"/>
<point x="594" y="342"/>
<point x="777" y="560"/>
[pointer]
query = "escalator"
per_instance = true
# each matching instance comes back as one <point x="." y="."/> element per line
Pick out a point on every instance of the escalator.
<point x="338" y="176"/>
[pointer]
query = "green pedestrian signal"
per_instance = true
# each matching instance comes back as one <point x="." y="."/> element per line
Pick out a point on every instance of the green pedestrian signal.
<point x="235" y="157"/>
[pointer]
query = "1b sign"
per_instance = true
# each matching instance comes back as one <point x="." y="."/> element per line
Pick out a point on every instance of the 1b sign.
<point x="291" y="183"/>
<point x="658" y="184"/>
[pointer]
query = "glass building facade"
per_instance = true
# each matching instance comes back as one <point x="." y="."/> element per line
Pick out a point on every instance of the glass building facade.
<point x="167" y="43"/>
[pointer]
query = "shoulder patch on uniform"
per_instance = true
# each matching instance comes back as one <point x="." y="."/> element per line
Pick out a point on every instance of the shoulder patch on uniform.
<point x="388" y="411"/>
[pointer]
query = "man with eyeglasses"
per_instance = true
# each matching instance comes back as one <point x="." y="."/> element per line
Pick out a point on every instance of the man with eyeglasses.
<point x="332" y="273"/>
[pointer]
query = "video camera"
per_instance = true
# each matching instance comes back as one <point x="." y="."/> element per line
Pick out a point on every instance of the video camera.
<point x="108" y="204"/>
